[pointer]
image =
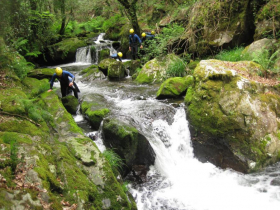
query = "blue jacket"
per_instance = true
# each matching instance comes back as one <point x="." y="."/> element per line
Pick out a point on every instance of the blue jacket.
<point x="133" y="38"/>
<point x="65" y="79"/>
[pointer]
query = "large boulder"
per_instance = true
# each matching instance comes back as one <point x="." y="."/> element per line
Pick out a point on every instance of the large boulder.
<point x="46" y="160"/>
<point x="116" y="71"/>
<point x="236" y="113"/>
<point x="104" y="65"/>
<point x="174" y="87"/>
<point x="155" y="71"/>
<point x="128" y="143"/>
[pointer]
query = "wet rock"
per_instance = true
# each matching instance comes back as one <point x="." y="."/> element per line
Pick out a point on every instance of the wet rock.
<point x="174" y="87"/>
<point x="128" y="143"/>
<point x="70" y="103"/>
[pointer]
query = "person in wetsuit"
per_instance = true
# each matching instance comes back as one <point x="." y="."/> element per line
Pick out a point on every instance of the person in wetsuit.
<point x="133" y="43"/>
<point x="117" y="56"/>
<point x="67" y="83"/>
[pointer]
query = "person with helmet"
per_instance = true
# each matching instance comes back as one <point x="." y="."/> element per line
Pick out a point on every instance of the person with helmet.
<point x="117" y="56"/>
<point x="67" y="83"/>
<point x="133" y="43"/>
<point x="143" y="37"/>
<point x="150" y="35"/>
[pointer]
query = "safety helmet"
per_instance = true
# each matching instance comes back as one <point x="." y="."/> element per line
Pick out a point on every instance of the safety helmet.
<point x="143" y="34"/>
<point x="131" y="31"/>
<point x="120" y="54"/>
<point x="58" y="71"/>
<point x="153" y="32"/>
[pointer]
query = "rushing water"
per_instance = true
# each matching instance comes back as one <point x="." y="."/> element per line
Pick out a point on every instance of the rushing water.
<point x="177" y="181"/>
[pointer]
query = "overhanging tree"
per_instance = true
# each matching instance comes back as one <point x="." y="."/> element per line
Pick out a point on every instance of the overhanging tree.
<point x="130" y="8"/>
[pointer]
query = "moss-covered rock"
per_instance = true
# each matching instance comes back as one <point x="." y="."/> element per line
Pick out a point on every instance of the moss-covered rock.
<point x="104" y="65"/>
<point x="44" y="73"/>
<point x="215" y="24"/>
<point x="128" y="143"/>
<point x="131" y="67"/>
<point x="103" y="54"/>
<point x="267" y="20"/>
<point x="116" y="71"/>
<point x="94" y="112"/>
<point x="92" y="73"/>
<point x="154" y="71"/>
<point x="174" y="87"/>
<point x="70" y="103"/>
<point x="236" y="112"/>
<point x="65" y="51"/>
<point x="50" y="162"/>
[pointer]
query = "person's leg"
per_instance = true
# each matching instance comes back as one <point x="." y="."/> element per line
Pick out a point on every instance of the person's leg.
<point x="133" y="51"/>
<point x="63" y="89"/>
<point x="74" y="90"/>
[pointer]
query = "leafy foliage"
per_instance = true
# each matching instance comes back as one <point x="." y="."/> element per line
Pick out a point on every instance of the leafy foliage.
<point x="176" y="69"/>
<point x="114" y="160"/>
<point x="162" y="44"/>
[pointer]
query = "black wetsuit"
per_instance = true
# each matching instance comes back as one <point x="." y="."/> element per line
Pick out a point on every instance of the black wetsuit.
<point x="65" y="79"/>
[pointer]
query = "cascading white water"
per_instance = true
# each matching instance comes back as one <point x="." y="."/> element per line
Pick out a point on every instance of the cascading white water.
<point x="85" y="54"/>
<point x="178" y="181"/>
<point x="188" y="184"/>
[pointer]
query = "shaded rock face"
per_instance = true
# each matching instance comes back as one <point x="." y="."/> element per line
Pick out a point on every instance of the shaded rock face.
<point x="214" y="24"/>
<point x="63" y="52"/>
<point x="267" y="19"/>
<point x="128" y="143"/>
<point x="235" y="113"/>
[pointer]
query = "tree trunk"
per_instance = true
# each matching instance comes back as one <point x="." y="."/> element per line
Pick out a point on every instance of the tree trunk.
<point x="132" y="16"/>
<point x="63" y="20"/>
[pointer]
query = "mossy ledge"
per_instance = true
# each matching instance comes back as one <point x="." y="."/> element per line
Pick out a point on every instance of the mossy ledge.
<point x="47" y="161"/>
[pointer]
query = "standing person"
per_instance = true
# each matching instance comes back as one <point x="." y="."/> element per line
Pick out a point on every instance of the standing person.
<point x="133" y="43"/>
<point x="67" y="83"/>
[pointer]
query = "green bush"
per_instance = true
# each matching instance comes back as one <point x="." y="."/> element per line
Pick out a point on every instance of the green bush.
<point x="176" y="69"/>
<point x="162" y="44"/>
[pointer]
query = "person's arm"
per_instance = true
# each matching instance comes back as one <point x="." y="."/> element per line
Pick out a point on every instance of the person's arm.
<point x="52" y="81"/>
<point x="129" y="42"/>
<point x="70" y="75"/>
<point x="139" y="40"/>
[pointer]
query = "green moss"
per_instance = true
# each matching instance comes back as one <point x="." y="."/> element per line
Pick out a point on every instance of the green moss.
<point x="34" y="87"/>
<point x="95" y="117"/>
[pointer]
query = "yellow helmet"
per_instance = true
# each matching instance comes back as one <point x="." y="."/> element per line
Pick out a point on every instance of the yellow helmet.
<point x="119" y="54"/>
<point x="131" y="31"/>
<point x="153" y="32"/>
<point x="58" y="71"/>
<point x="143" y="34"/>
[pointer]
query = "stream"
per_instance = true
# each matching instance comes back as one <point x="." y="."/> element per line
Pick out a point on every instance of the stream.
<point x="177" y="180"/>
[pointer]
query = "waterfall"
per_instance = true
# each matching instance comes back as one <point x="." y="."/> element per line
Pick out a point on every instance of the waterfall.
<point x="187" y="184"/>
<point x="89" y="54"/>
<point x="177" y="180"/>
